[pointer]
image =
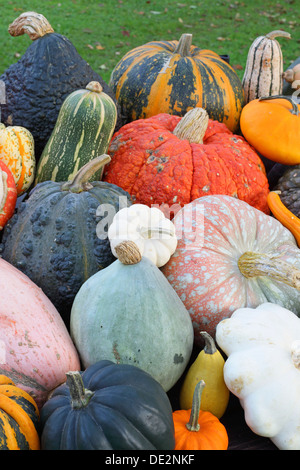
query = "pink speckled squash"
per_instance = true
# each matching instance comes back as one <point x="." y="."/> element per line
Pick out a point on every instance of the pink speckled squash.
<point x="231" y="255"/>
<point x="36" y="349"/>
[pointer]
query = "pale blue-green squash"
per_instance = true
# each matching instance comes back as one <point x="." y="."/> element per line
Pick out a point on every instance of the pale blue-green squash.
<point x="130" y="314"/>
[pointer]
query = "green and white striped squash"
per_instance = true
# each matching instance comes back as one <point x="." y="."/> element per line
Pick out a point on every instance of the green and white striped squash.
<point x="83" y="130"/>
<point x="264" y="67"/>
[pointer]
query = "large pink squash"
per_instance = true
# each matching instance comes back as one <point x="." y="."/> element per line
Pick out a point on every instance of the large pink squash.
<point x="36" y="349"/>
<point x="231" y="255"/>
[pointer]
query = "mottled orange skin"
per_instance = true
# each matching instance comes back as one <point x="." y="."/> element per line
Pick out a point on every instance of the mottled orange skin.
<point x="8" y="206"/>
<point x="212" y="434"/>
<point x="156" y="167"/>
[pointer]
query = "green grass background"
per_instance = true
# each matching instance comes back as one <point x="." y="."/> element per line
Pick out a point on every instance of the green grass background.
<point x="103" y="31"/>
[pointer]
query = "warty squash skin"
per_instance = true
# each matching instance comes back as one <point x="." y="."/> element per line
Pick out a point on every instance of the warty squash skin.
<point x="173" y="77"/>
<point x="36" y="350"/>
<point x="230" y="255"/>
<point x="52" y="237"/>
<point x="38" y="83"/>
<point x="129" y="314"/>
<point x="169" y="161"/>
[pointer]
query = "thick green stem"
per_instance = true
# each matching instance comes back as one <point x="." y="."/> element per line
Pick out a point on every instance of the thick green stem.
<point x="210" y="345"/>
<point x="80" y="182"/>
<point x="294" y="110"/>
<point x="257" y="264"/>
<point x="193" y="424"/>
<point x="184" y="45"/>
<point x="80" y="396"/>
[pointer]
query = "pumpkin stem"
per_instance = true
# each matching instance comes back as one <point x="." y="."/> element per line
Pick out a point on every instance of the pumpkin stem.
<point x="94" y="86"/>
<point x="31" y="23"/>
<point x="184" y="45"/>
<point x="210" y="345"/>
<point x="193" y="424"/>
<point x="295" y="353"/>
<point x="192" y="126"/>
<point x="258" y="264"/>
<point x="276" y="33"/>
<point x="128" y="252"/>
<point x="80" y="396"/>
<point x="80" y="181"/>
<point x="295" y="109"/>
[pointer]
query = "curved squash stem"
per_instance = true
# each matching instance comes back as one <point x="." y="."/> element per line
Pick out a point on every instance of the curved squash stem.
<point x="184" y="45"/>
<point x="193" y="424"/>
<point x="283" y="214"/>
<point x="80" y="396"/>
<point x="295" y="109"/>
<point x="258" y="264"/>
<point x="278" y="33"/>
<point x="80" y="182"/>
<point x="210" y="345"/>
<point x="32" y="23"/>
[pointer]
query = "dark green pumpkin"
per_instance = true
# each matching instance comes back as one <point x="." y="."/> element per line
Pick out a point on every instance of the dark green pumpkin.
<point x="38" y="83"/>
<point x="108" y="407"/>
<point x="289" y="187"/>
<point x="173" y="77"/>
<point x="287" y="87"/>
<point x="83" y="130"/>
<point x="52" y="237"/>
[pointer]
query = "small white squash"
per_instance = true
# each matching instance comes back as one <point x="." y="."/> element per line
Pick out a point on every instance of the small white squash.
<point x="152" y="232"/>
<point x="263" y="370"/>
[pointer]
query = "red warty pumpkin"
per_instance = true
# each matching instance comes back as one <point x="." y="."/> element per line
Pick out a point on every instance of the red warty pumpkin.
<point x="168" y="160"/>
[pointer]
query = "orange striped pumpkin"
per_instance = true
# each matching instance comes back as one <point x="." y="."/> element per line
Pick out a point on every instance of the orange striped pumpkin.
<point x="173" y="77"/>
<point x="17" y="152"/>
<point x="19" y="417"/>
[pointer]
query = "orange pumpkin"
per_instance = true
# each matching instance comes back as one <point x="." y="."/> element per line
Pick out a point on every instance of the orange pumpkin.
<point x="8" y="194"/>
<point x="17" y="152"/>
<point x="272" y="126"/>
<point x="169" y="161"/>
<point x="19" y="416"/>
<point x="173" y="77"/>
<point x="198" y="430"/>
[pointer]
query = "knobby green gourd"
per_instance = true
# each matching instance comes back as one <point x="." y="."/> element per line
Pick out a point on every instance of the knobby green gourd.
<point x="52" y="237"/>
<point x="83" y="130"/>
<point x="130" y="314"/>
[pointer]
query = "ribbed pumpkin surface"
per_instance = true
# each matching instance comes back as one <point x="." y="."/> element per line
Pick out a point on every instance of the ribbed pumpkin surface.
<point x="156" y="167"/>
<point x="83" y="130"/>
<point x="162" y="77"/>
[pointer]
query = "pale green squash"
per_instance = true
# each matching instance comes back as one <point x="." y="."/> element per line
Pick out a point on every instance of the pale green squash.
<point x="128" y="313"/>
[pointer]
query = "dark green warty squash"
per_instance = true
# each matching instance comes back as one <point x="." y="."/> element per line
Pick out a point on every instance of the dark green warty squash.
<point x="52" y="237"/>
<point x="38" y="83"/>
<point x="289" y="187"/>
<point x="108" y="407"/>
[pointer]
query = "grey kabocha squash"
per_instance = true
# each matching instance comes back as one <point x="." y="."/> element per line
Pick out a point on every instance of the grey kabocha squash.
<point x="43" y="77"/>
<point x="52" y="237"/>
<point x="129" y="313"/>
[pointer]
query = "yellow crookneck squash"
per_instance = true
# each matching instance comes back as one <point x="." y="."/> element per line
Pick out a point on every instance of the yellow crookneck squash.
<point x="17" y="152"/>
<point x="208" y="366"/>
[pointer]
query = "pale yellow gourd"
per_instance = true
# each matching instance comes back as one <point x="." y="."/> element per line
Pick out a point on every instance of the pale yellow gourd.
<point x="208" y="366"/>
